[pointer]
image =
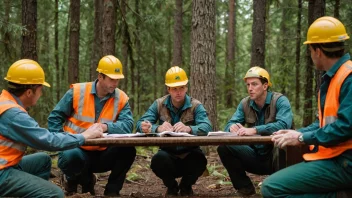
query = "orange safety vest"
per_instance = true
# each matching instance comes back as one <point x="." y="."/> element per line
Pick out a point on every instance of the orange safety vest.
<point x="83" y="115"/>
<point x="11" y="152"/>
<point x="331" y="107"/>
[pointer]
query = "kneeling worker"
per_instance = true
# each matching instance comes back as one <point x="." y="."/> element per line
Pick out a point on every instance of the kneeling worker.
<point x="177" y="112"/>
<point x="27" y="175"/>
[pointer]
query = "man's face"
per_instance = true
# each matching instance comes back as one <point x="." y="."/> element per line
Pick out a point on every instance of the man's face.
<point x="314" y="54"/>
<point x="255" y="88"/>
<point x="178" y="93"/>
<point x="33" y="96"/>
<point x="108" y="84"/>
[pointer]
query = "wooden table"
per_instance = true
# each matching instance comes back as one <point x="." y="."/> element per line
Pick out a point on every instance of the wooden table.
<point x="293" y="154"/>
<point x="180" y="141"/>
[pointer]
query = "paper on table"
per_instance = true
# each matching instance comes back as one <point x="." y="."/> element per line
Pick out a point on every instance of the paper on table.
<point x="221" y="133"/>
<point x="174" y="134"/>
<point x="123" y="135"/>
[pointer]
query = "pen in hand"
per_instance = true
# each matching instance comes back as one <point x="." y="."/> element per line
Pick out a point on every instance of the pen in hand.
<point x="150" y="127"/>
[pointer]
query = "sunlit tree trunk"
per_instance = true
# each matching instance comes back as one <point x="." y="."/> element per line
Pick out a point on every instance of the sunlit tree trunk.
<point x="203" y="59"/>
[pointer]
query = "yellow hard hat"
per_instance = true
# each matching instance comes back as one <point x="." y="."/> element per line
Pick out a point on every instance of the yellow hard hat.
<point x="26" y="72"/>
<point x="176" y="76"/>
<point x="258" y="72"/>
<point x="110" y="66"/>
<point x="326" y="30"/>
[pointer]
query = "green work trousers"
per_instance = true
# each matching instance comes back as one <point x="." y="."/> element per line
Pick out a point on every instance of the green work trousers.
<point x="29" y="178"/>
<point x="320" y="178"/>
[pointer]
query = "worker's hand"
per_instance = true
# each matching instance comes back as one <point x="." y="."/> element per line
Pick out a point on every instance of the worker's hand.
<point x="246" y="131"/>
<point x="165" y="127"/>
<point x="285" y="138"/>
<point x="146" y="126"/>
<point x="105" y="127"/>
<point x="180" y="127"/>
<point x="235" y="127"/>
<point x="94" y="131"/>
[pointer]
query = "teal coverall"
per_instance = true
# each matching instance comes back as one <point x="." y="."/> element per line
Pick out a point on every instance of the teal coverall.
<point x="320" y="178"/>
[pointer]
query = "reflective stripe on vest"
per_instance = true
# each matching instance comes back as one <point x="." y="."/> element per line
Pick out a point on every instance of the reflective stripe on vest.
<point x="11" y="152"/>
<point x="329" y="116"/>
<point x="84" y="112"/>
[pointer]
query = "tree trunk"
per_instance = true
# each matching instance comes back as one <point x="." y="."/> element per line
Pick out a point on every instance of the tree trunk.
<point x="73" y="60"/>
<point x="315" y="10"/>
<point x="124" y="47"/>
<point x="319" y="11"/>
<point x="258" y="34"/>
<point x="177" y="51"/>
<point x="97" y="43"/>
<point x="7" y="42"/>
<point x="203" y="57"/>
<point x="56" y="46"/>
<point x="109" y="27"/>
<point x="337" y="9"/>
<point x="298" y="56"/>
<point x="29" y="35"/>
<point x="155" y="70"/>
<point x="137" y="74"/>
<point x="285" y="67"/>
<point x="230" y="57"/>
<point x="64" y="68"/>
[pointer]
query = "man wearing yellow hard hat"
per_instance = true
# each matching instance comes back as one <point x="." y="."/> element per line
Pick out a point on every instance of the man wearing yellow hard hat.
<point x="261" y="113"/>
<point x="27" y="175"/>
<point x="83" y="105"/>
<point x="327" y="168"/>
<point x="177" y="112"/>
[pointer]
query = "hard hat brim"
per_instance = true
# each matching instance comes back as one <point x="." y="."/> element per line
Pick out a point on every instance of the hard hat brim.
<point x="115" y="76"/>
<point x="17" y="82"/>
<point x="176" y="84"/>
<point x="46" y="84"/>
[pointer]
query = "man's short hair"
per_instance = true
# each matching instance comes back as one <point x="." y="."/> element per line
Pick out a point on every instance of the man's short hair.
<point x="331" y="50"/>
<point x="19" y="89"/>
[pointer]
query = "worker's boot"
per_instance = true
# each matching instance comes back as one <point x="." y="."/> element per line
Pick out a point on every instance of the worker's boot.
<point x="89" y="186"/>
<point x="70" y="186"/>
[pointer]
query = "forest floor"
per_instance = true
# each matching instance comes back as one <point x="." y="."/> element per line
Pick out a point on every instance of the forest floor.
<point x="142" y="182"/>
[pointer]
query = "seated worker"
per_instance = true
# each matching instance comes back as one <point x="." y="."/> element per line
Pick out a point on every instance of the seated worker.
<point x="82" y="106"/>
<point x="327" y="170"/>
<point x="263" y="112"/>
<point x="27" y="175"/>
<point x="177" y="112"/>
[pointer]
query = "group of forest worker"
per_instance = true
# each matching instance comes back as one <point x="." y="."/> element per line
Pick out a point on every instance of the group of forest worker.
<point x="88" y="110"/>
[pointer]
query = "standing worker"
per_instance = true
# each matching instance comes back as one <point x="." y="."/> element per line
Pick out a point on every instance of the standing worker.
<point x="27" y="175"/>
<point x="82" y="106"/>
<point x="327" y="168"/>
<point x="177" y="112"/>
<point x="261" y="113"/>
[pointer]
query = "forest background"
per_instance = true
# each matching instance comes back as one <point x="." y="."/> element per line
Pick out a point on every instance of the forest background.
<point x="215" y="41"/>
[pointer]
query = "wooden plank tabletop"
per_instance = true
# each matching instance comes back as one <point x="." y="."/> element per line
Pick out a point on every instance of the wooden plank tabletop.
<point x="180" y="141"/>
